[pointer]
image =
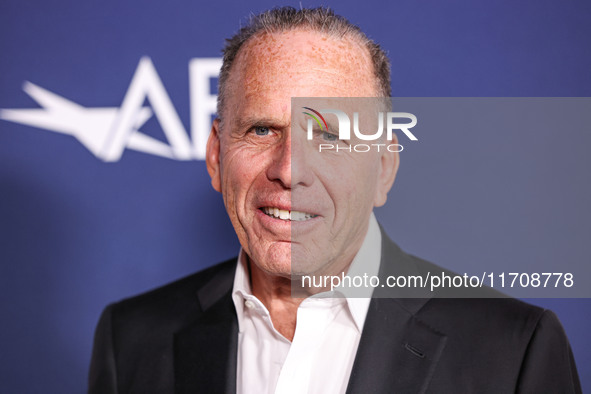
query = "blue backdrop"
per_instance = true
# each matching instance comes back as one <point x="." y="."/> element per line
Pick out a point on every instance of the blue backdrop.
<point x="91" y="211"/>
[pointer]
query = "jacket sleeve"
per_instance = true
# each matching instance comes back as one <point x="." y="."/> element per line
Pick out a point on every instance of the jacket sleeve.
<point x="549" y="365"/>
<point x="102" y="377"/>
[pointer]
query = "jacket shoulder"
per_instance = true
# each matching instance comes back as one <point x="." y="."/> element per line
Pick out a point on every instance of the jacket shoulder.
<point x="134" y="339"/>
<point x="174" y="302"/>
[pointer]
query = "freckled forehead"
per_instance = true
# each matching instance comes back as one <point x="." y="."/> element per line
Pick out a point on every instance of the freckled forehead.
<point x="303" y="63"/>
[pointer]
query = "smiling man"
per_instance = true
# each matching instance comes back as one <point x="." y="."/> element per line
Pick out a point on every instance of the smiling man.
<point x="237" y="326"/>
<point x="286" y="202"/>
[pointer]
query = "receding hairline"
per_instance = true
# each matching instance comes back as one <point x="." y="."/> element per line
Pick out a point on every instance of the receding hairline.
<point x="319" y="20"/>
<point x="260" y="37"/>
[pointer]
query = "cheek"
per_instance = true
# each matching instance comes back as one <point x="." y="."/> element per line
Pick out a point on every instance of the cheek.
<point x="232" y="161"/>
<point x="241" y="170"/>
<point x="356" y="187"/>
<point x="232" y="174"/>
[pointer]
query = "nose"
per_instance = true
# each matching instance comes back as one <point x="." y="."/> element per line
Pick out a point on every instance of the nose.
<point x="290" y="165"/>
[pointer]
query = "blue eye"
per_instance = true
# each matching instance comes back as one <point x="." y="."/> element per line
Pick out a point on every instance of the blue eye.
<point x="329" y="136"/>
<point x="260" y="130"/>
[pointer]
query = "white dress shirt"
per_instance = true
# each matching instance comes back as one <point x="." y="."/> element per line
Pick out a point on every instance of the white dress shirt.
<point x="328" y="329"/>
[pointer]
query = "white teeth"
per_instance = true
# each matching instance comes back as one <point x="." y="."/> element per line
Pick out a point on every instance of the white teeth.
<point x="295" y="215"/>
<point x="287" y="215"/>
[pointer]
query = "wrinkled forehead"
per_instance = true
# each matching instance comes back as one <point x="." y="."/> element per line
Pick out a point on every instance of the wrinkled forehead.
<point x="303" y="63"/>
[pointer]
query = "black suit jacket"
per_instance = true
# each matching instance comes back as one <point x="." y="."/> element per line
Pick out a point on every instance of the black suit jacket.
<point x="182" y="338"/>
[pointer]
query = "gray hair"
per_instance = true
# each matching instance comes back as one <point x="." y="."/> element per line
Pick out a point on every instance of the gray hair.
<point x="322" y="20"/>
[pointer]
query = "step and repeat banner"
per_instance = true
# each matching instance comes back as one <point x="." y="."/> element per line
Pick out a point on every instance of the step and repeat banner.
<point x="105" y="110"/>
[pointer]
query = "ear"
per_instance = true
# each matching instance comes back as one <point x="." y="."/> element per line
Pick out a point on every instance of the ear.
<point x="389" y="162"/>
<point x="212" y="156"/>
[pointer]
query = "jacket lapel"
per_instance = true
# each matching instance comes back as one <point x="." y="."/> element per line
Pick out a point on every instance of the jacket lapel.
<point x="397" y="352"/>
<point x="205" y="351"/>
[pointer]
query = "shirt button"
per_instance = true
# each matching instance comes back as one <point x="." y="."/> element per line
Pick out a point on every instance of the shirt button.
<point x="249" y="304"/>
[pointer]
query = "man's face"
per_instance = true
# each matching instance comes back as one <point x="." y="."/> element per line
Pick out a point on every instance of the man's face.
<point x="263" y="170"/>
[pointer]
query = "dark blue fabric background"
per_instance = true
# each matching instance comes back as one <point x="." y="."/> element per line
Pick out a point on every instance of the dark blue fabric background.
<point x="77" y="233"/>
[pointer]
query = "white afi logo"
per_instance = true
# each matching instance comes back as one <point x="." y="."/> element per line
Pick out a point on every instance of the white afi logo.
<point x="108" y="131"/>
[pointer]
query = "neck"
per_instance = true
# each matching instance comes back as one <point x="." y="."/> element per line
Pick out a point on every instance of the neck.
<point x="275" y="293"/>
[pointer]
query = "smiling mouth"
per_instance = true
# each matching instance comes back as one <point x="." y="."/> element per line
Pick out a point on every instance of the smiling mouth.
<point x="295" y="216"/>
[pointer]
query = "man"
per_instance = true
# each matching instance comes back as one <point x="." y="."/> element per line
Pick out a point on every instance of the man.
<point x="237" y="327"/>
